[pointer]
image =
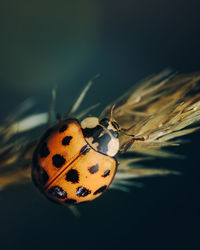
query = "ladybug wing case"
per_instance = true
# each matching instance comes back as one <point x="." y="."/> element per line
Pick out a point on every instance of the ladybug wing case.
<point x="66" y="169"/>
<point x="59" y="146"/>
<point x="85" y="179"/>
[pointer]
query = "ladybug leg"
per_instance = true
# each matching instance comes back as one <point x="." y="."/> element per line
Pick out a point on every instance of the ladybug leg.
<point x="51" y="108"/>
<point x="126" y="146"/>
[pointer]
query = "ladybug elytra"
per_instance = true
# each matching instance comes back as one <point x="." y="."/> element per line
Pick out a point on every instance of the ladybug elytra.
<point x="74" y="162"/>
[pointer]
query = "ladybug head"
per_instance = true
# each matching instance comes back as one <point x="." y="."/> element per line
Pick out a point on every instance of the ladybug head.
<point x="102" y="134"/>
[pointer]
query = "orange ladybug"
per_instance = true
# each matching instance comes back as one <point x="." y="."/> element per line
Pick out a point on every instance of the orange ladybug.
<point x="74" y="162"/>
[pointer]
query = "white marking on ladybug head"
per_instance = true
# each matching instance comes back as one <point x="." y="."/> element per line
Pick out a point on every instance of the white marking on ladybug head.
<point x="113" y="147"/>
<point x="93" y="144"/>
<point x="90" y="122"/>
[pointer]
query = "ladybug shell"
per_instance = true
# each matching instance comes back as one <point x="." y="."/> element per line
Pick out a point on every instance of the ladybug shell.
<point x="66" y="169"/>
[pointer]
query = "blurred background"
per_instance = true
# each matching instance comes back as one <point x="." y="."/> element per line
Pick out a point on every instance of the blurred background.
<point x="64" y="44"/>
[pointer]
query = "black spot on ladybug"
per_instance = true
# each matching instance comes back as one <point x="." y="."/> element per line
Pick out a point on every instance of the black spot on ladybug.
<point x="70" y="201"/>
<point x="82" y="192"/>
<point x="63" y="128"/>
<point x="94" y="169"/>
<point x="104" y="122"/>
<point x="106" y="173"/>
<point x="100" y="190"/>
<point x="66" y="140"/>
<point x="72" y="176"/>
<point x="58" y="192"/>
<point x="42" y="175"/>
<point x="85" y="149"/>
<point x="58" y="160"/>
<point x="44" y="151"/>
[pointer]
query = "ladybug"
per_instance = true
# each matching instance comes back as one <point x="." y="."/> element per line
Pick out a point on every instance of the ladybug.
<point x="74" y="162"/>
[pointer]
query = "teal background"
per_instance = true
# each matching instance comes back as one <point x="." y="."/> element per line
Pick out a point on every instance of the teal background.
<point x="65" y="43"/>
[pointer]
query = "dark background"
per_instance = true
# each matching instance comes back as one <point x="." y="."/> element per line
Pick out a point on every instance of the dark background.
<point x="65" y="43"/>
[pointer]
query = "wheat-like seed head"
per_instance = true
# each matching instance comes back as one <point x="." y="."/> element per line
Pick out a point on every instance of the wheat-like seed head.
<point x="160" y="109"/>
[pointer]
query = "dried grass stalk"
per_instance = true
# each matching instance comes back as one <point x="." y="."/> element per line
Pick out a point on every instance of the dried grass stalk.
<point x="160" y="109"/>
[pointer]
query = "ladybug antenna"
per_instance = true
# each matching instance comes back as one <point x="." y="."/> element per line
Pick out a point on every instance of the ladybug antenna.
<point x="124" y="131"/>
<point x="115" y="124"/>
<point x="111" y="113"/>
<point x="113" y="121"/>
